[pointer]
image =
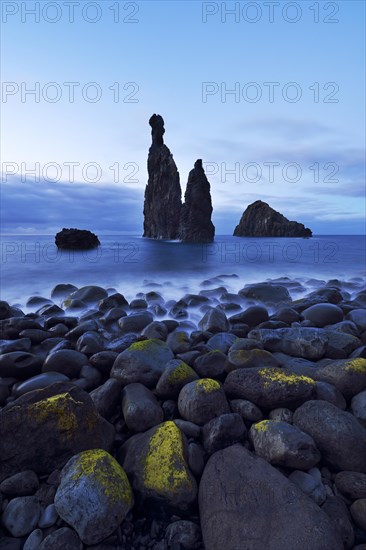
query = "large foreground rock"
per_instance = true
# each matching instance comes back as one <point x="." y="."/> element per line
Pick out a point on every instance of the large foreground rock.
<point x="42" y="429"/>
<point x="94" y="495"/>
<point x="163" y="195"/>
<point x="76" y="239"/>
<point x="155" y="462"/>
<point x="245" y="503"/>
<point x="260" y="220"/>
<point x="196" y="224"/>
<point x="340" y="438"/>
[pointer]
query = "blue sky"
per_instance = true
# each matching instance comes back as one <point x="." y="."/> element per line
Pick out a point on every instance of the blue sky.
<point x="181" y="59"/>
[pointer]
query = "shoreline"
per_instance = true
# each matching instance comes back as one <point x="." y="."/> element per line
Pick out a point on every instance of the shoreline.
<point x="184" y="387"/>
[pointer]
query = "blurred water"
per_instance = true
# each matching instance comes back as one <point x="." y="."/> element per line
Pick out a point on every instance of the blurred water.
<point x="32" y="264"/>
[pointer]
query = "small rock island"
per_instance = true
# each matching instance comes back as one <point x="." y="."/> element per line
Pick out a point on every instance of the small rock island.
<point x="260" y="220"/>
<point x="76" y="239"/>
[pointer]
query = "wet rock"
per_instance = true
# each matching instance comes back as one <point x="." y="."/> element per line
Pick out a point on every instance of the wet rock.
<point x="252" y="316"/>
<point x="347" y="375"/>
<point x="135" y="322"/>
<point x="140" y="408"/>
<point x="195" y="223"/>
<point x="90" y="343"/>
<point x="183" y="534"/>
<point x="310" y="483"/>
<point x="156" y="329"/>
<point x="338" y="435"/>
<point x="178" y="341"/>
<point x="223" y="431"/>
<point x="22" y="484"/>
<point x="282" y="444"/>
<point x="242" y="358"/>
<point x="19" y="364"/>
<point x="243" y="498"/>
<point x="269" y="387"/>
<point x="328" y="392"/>
<point x="22" y="344"/>
<point x="39" y="382"/>
<point x="175" y="375"/>
<point x="305" y="342"/>
<point x="61" y="539"/>
<point x="246" y="409"/>
<point x="142" y="362"/>
<point x="358" y="511"/>
<point x="358" y="317"/>
<point x="34" y="540"/>
<point x="340" y="345"/>
<point x="21" y="515"/>
<point x="221" y="341"/>
<point x="337" y="511"/>
<point x="62" y="290"/>
<point x="88" y="478"/>
<point x="163" y="203"/>
<point x="323" y="314"/>
<point x="358" y="407"/>
<point x="48" y="517"/>
<point x="211" y="364"/>
<point x="202" y="400"/>
<point x="155" y="461"/>
<point x="88" y="294"/>
<point x="106" y="397"/>
<point x="67" y="361"/>
<point x="266" y="292"/>
<point x="42" y="429"/>
<point x="214" y="321"/>
<point x="281" y="414"/>
<point x="188" y="428"/>
<point x="351" y="484"/>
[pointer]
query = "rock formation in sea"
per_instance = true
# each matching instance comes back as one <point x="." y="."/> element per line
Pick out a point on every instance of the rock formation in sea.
<point x="196" y="224"/>
<point x="76" y="239"/>
<point x="260" y="220"/>
<point x="163" y="196"/>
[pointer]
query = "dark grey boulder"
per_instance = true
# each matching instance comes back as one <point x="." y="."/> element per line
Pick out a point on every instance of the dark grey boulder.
<point x="76" y="239"/>
<point x="323" y="314"/>
<point x="337" y="511"/>
<point x="243" y="498"/>
<point x="340" y="438"/>
<point x="67" y="361"/>
<point x="60" y="539"/>
<point x="20" y="365"/>
<point x="358" y="407"/>
<point x="106" y="397"/>
<point x="175" y="375"/>
<point x="306" y="342"/>
<point x="214" y="321"/>
<point x="223" y="431"/>
<point x="351" y="484"/>
<point x="202" y="400"/>
<point x="22" y="484"/>
<point x="140" y="408"/>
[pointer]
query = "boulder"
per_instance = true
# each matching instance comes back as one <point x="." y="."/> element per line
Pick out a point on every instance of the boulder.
<point x="306" y="342"/>
<point x="202" y="400"/>
<point x="140" y="408"/>
<point x="246" y="503"/>
<point x="42" y="429"/>
<point x="94" y="495"/>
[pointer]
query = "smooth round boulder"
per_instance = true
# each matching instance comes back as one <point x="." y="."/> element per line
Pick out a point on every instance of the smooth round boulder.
<point x="221" y="341"/>
<point x="21" y="515"/>
<point x="282" y="444"/>
<point x="358" y="512"/>
<point x="351" y="484"/>
<point x="94" y="495"/>
<point x="310" y="482"/>
<point x="211" y="364"/>
<point x="214" y="321"/>
<point x="61" y="539"/>
<point x="323" y="314"/>
<point x="243" y="499"/>
<point x="88" y="294"/>
<point x="306" y="342"/>
<point x="38" y="382"/>
<point x="22" y="484"/>
<point x="358" y="317"/>
<point x="246" y="409"/>
<point x="347" y="375"/>
<point x="19" y="364"/>
<point x="242" y="358"/>
<point x="175" y="375"/>
<point x="340" y="438"/>
<point x="135" y="322"/>
<point x="358" y="407"/>
<point x="202" y="400"/>
<point x="269" y="387"/>
<point x="142" y="362"/>
<point x="65" y="361"/>
<point x="223" y="431"/>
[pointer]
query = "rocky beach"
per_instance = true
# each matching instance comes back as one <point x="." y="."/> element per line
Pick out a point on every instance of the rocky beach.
<point x="220" y="419"/>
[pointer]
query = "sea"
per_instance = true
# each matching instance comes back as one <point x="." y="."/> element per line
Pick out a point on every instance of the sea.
<point x="32" y="265"/>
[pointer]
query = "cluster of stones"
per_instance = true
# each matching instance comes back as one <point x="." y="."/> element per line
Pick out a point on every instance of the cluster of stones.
<point x="219" y="421"/>
<point x="164" y="215"/>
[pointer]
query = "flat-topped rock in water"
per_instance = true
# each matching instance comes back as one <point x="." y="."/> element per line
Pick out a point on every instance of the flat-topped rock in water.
<point x="76" y="239"/>
<point x="260" y="220"/>
<point x="196" y="224"/>
<point x="163" y="203"/>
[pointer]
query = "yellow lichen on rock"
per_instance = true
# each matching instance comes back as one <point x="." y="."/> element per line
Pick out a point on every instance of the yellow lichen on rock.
<point x="273" y="375"/>
<point x="262" y="426"/>
<point x="58" y="407"/>
<point x="356" y="365"/>
<point x="181" y="372"/>
<point x="164" y="466"/>
<point x="208" y="385"/>
<point x="106" y="471"/>
<point x="143" y="345"/>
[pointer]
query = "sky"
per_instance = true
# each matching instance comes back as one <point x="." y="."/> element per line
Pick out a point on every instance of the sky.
<point x="271" y="95"/>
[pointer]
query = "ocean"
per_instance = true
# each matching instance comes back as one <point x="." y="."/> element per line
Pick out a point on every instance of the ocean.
<point x="32" y="265"/>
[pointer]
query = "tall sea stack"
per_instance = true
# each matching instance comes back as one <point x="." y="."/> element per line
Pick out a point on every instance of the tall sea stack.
<point x="196" y="224"/>
<point x="163" y="195"/>
<point x="260" y="220"/>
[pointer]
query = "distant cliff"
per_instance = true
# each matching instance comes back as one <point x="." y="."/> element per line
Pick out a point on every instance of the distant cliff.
<point x="260" y="220"/>
<point x="196" y="224"/>
<point x="163" y="195"/>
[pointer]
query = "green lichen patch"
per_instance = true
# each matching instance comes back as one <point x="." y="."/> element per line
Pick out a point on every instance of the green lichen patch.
<point x="262" y="426"/>
<point x="145" y="345"/>
<point x="60" y="408"/>
<point x="101" y="468"/>
<point x="272" y="375"/>
<point x="356" y="365"/>
<point x="181" y="373"/>
<point x="165" y="470"/>
<point x="208" y="385"/>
